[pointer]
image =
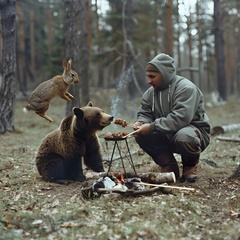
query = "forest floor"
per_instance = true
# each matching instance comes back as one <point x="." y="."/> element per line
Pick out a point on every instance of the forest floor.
<point x="33" y="209"/>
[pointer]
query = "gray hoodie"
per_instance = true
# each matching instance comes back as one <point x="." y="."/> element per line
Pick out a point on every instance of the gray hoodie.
<point x="177" y="104"/>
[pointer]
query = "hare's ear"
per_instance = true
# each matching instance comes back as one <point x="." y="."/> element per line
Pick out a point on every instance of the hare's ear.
<point x="67" y="64"/>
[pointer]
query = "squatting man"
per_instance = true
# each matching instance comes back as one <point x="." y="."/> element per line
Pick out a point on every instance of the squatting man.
<point x="172" y="119"/>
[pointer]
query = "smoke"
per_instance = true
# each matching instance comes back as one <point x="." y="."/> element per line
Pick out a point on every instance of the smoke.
<point x="120" y="105"/>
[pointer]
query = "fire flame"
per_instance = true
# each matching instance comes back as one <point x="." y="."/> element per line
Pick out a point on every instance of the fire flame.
<point x="117" y="180"/>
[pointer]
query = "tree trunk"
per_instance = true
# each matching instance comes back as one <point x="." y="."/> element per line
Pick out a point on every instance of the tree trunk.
<point x="32" y="46"/>
<point x="7" y="90"/>
<point x="84" y="51"/>
<point x="72" y="47"/>
<point x="125" y="81"/>
<point x="50" y="33"/>
<point x="200" y="50"/>
<point x="169" y="28"/>
<point x="189" y="29"/>
<point x="219" y="50"/>
<point x="178" y="38"/>
<point x="100" y="63"/>
<point x="21" y="66"/>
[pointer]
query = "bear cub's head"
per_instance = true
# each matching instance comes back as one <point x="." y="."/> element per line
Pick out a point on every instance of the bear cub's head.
<point x="92" y="117"/>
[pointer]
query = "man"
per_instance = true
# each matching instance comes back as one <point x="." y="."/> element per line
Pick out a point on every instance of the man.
<point x="172" y="119"/>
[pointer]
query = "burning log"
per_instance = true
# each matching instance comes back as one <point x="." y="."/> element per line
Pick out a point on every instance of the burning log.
<point x="146" y="177"/>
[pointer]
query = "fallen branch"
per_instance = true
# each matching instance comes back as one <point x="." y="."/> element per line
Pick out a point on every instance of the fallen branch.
<point x="225" y="128"/>
<point x="229" y="139"/>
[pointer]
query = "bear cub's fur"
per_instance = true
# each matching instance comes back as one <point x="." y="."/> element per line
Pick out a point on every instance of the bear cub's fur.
<point x="60" y="154"/>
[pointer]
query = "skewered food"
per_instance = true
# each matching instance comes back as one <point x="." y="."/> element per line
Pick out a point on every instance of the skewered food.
<point x="121" y="122"/>
<point x="119" y="134"/>
<point x="115" y="135"/>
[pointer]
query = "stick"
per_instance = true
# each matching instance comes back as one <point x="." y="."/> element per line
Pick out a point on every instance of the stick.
<point x="131" y="133"/>
<point x="164" y="186"/>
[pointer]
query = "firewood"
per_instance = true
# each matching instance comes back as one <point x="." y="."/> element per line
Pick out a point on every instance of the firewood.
<point x="168" y="177"/>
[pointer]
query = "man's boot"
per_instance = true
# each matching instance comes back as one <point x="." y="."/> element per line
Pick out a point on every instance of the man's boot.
<point x="190" y="167"/>
<point x="190" y="160"/>
<point x="189" y="174"/>
<point x="167" y="162"/>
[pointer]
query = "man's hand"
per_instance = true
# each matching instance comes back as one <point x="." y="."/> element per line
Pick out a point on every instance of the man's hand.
<point x="137" y="125"/>
<point x="143" y="129"/>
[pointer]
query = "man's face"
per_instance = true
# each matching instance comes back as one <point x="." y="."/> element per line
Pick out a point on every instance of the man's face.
<point x="155" y="79"/>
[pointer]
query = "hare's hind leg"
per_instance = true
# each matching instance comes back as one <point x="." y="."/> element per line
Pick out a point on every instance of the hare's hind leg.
<point x="43" y="115"/>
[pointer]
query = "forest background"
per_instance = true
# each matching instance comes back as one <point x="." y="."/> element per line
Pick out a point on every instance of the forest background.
<point x="110" y="43"/>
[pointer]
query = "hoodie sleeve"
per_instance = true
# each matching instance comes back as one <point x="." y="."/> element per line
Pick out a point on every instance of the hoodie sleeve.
<point x="184" y="106"/>
<point x="145" y="114"/>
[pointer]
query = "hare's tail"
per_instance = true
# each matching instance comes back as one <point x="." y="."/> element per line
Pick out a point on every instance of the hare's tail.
<point x="26" y="109"/>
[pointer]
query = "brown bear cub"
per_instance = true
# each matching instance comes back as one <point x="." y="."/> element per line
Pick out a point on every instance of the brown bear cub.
<point x="40" y="98"/>
<point x="60" y="154"/>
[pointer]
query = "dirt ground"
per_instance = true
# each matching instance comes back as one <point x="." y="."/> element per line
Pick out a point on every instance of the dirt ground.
<point x="33" y="209"/>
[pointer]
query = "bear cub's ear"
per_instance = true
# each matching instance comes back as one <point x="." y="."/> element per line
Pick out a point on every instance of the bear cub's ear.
<point x="78" y="112"/>
<point x="90" y="104"/>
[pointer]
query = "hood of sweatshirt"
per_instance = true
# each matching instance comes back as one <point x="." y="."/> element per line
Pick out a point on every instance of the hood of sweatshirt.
<point x="165" y="65"/>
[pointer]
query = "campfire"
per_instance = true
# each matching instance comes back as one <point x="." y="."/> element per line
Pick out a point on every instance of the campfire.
<point x="130" y="185"/>
<point x="120" y="184"/>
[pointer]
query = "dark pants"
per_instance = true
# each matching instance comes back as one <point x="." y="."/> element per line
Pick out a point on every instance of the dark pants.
<point x="186" y="142"/>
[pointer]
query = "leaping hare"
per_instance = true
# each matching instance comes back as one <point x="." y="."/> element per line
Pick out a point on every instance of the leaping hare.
<point x="40" y="98"/>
